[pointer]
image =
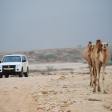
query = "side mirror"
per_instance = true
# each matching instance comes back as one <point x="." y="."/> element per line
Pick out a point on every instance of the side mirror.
<point x="23" y="60"/>
<point x="0" y="61"/>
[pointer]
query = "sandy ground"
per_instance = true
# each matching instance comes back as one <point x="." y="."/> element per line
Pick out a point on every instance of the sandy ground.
<point x="65" y="91"/>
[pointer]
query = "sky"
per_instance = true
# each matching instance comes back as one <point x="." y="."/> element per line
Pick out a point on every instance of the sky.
<point x="44" y="24"/>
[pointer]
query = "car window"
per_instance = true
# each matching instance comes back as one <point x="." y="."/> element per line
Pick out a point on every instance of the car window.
<point x="24" y="59"/>
<point x="12" y="59"/>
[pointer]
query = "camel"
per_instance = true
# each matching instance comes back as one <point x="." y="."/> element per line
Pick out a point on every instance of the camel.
<point x="104" y="58"/>
<point x="87" y="56"/>
<point x="99" y="57"/>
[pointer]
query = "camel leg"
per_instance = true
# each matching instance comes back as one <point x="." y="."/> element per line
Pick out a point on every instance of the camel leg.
<point x="94" y="79"/>
<point x="91" y="79"/>
<point x="103" y="79"/>
<point x="98" y="76"/>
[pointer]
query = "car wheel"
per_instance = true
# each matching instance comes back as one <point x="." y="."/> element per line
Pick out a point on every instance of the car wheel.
<point x="21" y="73"/>
<point x="26" y="73"/>
<point x="6" y="75"/>
<point x="1" y="75"/>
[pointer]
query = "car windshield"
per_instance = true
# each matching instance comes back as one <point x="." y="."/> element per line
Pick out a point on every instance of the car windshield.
<point x="12" y="59"/>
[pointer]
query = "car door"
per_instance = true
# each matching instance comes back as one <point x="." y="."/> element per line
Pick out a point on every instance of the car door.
<point x="24" y="62"/>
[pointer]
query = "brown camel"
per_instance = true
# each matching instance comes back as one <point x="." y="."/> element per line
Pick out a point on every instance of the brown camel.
<point x="87" y="56"/>
<point x="104" y="58"/>
<point x="99" y="58"/>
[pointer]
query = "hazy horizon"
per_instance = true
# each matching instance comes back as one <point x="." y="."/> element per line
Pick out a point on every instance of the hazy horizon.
<point x="46" y="24"/>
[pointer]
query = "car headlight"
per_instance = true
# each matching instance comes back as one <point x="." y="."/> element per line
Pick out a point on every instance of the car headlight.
<point x="18" y="66"/>
<point x="0" y="67"/>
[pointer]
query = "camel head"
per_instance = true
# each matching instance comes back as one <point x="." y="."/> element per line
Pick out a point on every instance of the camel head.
<point x="90" y="45"/>
<point x="104" y="46"/>
<point x="104" y="53"/>
<point x="99" y="45"/>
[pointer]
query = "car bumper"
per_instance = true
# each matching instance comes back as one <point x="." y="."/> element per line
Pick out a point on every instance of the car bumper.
<point x="10" y="72"/>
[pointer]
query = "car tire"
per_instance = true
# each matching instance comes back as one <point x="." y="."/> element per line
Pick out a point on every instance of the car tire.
<point x="21" y="73"/>
<point x="6" y="75"/>
<point x="26" y="73"/>
<point x="1" y="75"/>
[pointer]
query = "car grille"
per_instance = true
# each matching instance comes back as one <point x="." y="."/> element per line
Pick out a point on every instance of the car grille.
<point x="8" y="68"/>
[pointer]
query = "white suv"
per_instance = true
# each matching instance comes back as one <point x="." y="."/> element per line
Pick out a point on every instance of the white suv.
<point x="15" y="64"/>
